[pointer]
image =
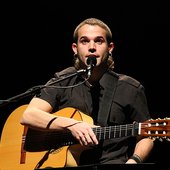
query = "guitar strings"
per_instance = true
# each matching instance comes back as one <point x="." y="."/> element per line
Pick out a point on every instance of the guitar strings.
<point x="99" y="130"/>
<point x="102" y="133"/>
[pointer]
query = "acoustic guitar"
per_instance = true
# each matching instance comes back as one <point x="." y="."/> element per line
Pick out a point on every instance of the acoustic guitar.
<point x="27" y="149"/>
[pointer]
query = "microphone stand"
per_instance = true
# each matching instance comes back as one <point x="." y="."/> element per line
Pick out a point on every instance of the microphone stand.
<point x="36" y="89"/>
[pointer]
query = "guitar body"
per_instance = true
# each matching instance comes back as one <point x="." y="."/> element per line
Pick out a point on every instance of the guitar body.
<point x="11" y="145"/>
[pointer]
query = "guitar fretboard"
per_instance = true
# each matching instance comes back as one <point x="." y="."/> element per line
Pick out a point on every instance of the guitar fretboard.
<point x="52" y="140"/>
<point x="116" y="131"/>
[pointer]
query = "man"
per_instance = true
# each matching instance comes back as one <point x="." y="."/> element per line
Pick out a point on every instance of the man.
<point x="111" y="99"/>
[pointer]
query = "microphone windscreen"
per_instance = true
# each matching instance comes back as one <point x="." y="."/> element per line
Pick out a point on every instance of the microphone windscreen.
<point x="91" y="60"/>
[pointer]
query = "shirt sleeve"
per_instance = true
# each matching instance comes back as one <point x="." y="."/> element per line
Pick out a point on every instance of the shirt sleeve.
<point x="140" y="107"/>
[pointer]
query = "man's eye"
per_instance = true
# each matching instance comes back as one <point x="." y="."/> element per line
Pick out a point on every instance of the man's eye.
<point x="99" y="42"/>
<point x="84" y="41"/>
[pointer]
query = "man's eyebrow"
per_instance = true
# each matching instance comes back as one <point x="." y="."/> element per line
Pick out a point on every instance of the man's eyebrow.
<point x="95" y="37"/>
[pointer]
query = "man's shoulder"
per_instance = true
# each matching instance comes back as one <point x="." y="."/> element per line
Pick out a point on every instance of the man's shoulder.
<point x="65" y="72"/>
<point x="123" y="78"/>
<point x="128" y="79"/>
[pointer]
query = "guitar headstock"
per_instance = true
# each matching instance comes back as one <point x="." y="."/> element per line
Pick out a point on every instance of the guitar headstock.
<point x="156" y="129"/>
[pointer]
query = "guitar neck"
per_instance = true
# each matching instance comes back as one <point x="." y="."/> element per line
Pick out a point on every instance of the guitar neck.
<point x="116" y="131"/>
<point x="58" y="139"/>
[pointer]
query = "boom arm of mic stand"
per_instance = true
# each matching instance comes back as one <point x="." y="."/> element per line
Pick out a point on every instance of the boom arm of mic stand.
<point x="36" y="89"/>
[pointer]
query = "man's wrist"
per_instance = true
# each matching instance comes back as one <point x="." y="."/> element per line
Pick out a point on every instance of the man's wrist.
<point x="136" y="158"/>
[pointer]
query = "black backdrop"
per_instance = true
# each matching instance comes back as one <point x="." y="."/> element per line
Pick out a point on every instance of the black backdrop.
<point x="36" y="42"/>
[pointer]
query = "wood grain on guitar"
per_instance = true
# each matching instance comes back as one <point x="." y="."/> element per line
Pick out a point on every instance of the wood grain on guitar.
<point x="20" y="149"/>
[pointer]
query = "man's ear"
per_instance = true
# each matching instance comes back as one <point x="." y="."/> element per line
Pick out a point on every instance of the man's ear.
<point x="74" y="48"/>
<point x="111" y="47"/>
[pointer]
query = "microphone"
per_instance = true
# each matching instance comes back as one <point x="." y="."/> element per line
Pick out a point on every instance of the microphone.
<point x="91" y="63"/>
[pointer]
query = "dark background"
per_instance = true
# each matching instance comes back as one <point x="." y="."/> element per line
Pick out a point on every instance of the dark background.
<point x="36" y="42"/>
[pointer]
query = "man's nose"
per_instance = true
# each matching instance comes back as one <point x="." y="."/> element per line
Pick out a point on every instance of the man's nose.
<point x="92" y="47"/>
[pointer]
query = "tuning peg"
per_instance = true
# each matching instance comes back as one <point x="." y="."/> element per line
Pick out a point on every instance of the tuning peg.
<point x="160" y="139"/>
<point x="153" y="138"/>
<point x="168" y="139"/>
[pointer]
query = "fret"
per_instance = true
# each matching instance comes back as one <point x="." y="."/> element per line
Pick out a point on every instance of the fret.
<point x="104" y="133"/>
<point x="120" y="131"/>
<point x="114" y="131"/>
<point x="100" y="133"/>
<point x="109" y="132"/>
<point x="126" y="130"/>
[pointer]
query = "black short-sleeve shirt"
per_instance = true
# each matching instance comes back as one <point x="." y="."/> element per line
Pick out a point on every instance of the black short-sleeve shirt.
<point x="129" y="104"/>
